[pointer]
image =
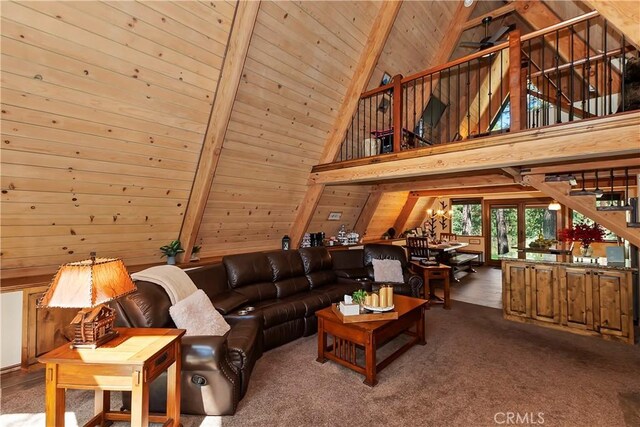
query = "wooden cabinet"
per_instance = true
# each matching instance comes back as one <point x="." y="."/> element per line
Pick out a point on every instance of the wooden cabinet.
<point x="593" y="301"/>
<point x="516" y="292"/>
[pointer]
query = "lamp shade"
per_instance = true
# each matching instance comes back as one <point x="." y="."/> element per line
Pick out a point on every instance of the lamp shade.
<point x="88" y="283"/>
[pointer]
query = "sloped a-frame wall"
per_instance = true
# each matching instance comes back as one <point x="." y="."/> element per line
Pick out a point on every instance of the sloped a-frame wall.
<point x="105" y="105"/>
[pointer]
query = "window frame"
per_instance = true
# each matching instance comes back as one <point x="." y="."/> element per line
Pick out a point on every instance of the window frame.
<point x="469" y="201"/>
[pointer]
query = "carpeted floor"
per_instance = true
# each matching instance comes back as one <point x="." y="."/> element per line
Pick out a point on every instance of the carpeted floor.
<point x="475" y="369"/>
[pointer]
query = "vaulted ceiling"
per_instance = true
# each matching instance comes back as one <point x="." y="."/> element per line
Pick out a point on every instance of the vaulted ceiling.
<point x="106" y="108"/>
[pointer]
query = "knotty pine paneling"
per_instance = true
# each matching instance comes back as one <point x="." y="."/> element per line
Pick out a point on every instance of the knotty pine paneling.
<point x="386" y="214"/>
<point x="299" y="64"/>
<point x="104" y="109"/>
<point x="347" y="199"/>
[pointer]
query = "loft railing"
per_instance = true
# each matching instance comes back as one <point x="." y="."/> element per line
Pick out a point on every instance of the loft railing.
<point x="570" y="71"/>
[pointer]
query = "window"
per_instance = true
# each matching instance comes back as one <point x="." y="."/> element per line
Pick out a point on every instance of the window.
<point x="467" y="217"/>
<point x="607" y="199"/>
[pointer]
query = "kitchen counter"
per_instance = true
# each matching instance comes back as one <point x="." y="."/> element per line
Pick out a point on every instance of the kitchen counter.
<point x="574" y="261"/>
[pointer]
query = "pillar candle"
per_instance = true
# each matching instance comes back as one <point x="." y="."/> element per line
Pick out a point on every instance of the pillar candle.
<point x="389" y="295"/>
<point x="367" y="300"/>
<point x="383" y="296"/>
<point x="375" y="302"/>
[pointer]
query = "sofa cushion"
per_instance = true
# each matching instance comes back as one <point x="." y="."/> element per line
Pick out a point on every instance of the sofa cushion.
<point x="276" y="311"/>
<point x="378" y="251"/>
<point x="387" y="270"/>
<point x="285" y="264"/>
<point x="317" y="266"/>
<point x="337" y="291"/>
<point x="197" y="315"/>
<point x="246" y="269"/>
<point x="314" y="302"/>
<point x="288" y="273"/>
<point x="347" y="259"/>
<point x="251" y="276"/>
<point x="212" y="279"/>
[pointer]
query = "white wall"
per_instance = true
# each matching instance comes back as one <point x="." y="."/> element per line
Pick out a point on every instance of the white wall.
<point x="10" y="328"/>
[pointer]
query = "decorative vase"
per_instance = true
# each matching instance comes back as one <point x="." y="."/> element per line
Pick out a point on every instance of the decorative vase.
<point x="586" y="250"/>
<point x="171" y="260"/>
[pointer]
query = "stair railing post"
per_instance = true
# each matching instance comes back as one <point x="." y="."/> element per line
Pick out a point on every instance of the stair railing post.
<point x="397" y="113"/>
<point x="517" y="84"/>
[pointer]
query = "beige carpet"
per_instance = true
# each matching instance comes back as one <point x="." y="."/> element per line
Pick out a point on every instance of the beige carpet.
<point x="475" y="369"/>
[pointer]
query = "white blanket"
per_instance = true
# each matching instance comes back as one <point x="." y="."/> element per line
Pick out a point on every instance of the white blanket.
<point x="175" y="282"/>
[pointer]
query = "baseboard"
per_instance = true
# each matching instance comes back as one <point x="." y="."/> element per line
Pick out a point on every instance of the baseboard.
<point x="11" y="368"/>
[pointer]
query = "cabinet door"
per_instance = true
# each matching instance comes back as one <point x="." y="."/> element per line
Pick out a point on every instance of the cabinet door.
<point x="577" y="299"/>
<point x="545" y="296"/>
<point x="611" y="302"/>
<point x="516" y="298"/>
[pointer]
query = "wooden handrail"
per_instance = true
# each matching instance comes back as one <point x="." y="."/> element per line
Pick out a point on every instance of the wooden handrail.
<point x="560" y="25"/>
<point x="377" y="90"/>
<point x="577" y="62"/>
<point x="459" y="61"/>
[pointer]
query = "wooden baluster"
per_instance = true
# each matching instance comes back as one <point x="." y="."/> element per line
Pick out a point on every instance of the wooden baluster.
<point x="397" y="113"/>
<point x="517" y="94"/>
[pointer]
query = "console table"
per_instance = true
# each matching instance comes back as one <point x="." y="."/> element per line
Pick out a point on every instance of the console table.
<point x="130" y="362"/>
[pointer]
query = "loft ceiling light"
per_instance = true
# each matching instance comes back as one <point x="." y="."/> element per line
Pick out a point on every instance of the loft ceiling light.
<point x="468" y="3"/>
<point x="554" y="206"/>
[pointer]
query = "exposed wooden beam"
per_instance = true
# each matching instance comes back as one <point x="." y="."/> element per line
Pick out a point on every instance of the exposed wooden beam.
<point x="369" y="209"/>
<point x="624" y="15"/>
<point x="440" y="183"/>
<point x="501" y="11"/>
<point x="237" y="47"/>
<point x="517" y="87"/>
<point x="586" y="205"/>
<point x="512" y="188"/>
<point x="615" y="135"/>
<point x="630" y="161"/>
<point x="514" y="173"/>
<point x="405" y="213"/>
<point x="538" y="15"/>
<point x="376" y="40"/>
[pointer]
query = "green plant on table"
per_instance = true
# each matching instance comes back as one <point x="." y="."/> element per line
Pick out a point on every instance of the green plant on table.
<point x="359" y="296"/>
<point x="172" y="249"/>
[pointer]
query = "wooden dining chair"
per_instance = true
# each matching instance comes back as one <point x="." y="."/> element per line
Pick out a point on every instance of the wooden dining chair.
<point x="418" y="248"/>
<point x="448" y="236"/>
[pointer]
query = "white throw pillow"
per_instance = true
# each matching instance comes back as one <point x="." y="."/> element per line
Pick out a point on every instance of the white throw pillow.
<point x="387" y="270"/>
<point x="197" y="315"/>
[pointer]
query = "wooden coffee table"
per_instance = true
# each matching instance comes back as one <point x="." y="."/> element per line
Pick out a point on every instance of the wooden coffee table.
<point x="369" y="335"/>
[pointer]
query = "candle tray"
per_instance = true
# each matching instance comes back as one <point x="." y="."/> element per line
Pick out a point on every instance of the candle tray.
<point x="367" y="317"/>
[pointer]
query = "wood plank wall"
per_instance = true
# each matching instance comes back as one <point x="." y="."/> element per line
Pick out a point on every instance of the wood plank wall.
<point x="347" y="199"/>
<point x="385" y="216"/>
<point x="104" y="109"/>
<point x="299" y="64"/>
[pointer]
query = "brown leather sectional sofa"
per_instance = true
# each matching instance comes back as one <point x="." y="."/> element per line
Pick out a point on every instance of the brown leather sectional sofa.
<point x="285" y="287"/>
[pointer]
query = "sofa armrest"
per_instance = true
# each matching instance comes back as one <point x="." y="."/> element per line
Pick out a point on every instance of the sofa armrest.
<point x="228" y="301"/>
<point x="245" y="340"/>
<point x="204" y="352"/>
<point x="415" y="281"/>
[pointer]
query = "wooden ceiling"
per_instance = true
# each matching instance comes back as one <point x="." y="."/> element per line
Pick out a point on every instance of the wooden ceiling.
<point x="111" y="111"/>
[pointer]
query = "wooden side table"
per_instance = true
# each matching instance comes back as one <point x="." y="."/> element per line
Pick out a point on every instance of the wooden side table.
<point x="129" y="362"/>
<point x="435" y="272"/>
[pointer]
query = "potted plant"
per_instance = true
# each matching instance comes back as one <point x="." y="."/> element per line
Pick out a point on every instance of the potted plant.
<point x="171" y="250"/>
<point x="195" y="253"/>
<point x="585" y="234"/>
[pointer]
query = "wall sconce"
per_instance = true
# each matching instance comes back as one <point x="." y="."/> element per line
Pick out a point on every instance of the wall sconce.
<point x="441" y="216"/>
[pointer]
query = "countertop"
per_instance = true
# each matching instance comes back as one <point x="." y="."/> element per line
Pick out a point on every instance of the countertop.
<point x="575" y="262"/>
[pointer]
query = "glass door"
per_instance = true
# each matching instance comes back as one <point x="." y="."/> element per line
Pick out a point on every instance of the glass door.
<point x="503" y="226"/>
<point x="515" y="224"/>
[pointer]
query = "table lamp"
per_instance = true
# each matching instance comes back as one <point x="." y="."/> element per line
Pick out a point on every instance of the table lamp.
<point x="88" y="285"/>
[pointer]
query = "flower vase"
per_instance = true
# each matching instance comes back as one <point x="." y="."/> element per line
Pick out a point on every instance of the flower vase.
<point x="171" y="260"/>
<point x="586" y="250"/>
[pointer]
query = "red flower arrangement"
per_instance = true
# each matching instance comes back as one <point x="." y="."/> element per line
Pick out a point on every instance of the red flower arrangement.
<point x="586" y="234"/>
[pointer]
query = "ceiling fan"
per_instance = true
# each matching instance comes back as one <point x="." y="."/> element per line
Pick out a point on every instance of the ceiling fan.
<point x="489" y="41"/>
